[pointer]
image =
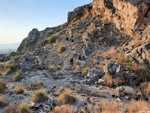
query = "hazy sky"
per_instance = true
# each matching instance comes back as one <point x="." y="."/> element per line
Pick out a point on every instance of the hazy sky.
<point x="18" y="17"/>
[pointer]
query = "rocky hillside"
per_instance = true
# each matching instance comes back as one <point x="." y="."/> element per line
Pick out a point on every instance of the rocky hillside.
<point x="98" y="61"/>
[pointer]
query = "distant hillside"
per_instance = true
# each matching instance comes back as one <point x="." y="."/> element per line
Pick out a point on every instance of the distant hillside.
<point x="5" y="48"/>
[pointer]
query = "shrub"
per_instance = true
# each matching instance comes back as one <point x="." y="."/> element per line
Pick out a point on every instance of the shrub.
<point x="52" y="39"/>
<point x="39" y="96"/>
<point x="136" y="106"/>
<point x="66" y="98"/>
<point x="61" y="49"/>
<point x="7" y="71"/>
<point x="141" y="70"/>
<point x="12" y="67"/>
<point x="110" y="106"/>
<point x="85" y="70"/>
<point x="95" y="61"/>
<point x="17" y="76"/>
<point x="51" y="69"/>
<point x="58" y="67"/>
<point x="24" y="108"/>
<point x="78" y="67"/>
<point x="2" y="85"/>
<point x="2" y="102"/>
<point x="78" y="62"/>
<point x="20" y="90"/>
<point x="64" y="109"/>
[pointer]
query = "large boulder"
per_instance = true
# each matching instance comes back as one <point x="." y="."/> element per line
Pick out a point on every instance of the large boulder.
<point x="126" y="89"/>
<point x="95" y="74"/>
<point x="114" y="69"/>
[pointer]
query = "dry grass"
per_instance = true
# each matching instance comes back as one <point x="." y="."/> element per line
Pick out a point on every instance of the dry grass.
<point x="39" y="96"/>
<point x="95" y="61"/>
<point x="2" y="85"/>
<point x="66" y="55"/>
<point x="109" y="106"/>
<point x="67" y="98"/>
<point x="17" y="76"/>
<point x="61" y="49"/>
<point x="24" y="108"/>
<point x="20" y="90"/>
<point x="51" y="68"/>
<point x="2" y="102"/>
<point x="136" y="106"/>
<point x="64" y="109"/>
<point x="78" y="67"/>
<point x="107" y="55"/>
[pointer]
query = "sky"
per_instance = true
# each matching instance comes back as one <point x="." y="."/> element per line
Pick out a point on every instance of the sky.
<point x="19" y="17"/>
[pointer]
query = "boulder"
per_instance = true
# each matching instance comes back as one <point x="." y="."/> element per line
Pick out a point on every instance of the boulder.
<point x="114" y="69"/>
<point x="126" y="89"/>
<point x="95" y="74"/>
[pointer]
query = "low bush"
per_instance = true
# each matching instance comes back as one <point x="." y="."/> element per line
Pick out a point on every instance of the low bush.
<point x="137" y="106"/>
<point x="2" y="85"/>
<point x="66" y="98"/>
<point x="95" y="61"/>
<point x="85" y="70"/>
<point x="61" y="49"/>
<point x="20" y="90"/>
<point x="39" y="96"/>
<point x="52" y="39"/>
<point x="51" y="68"/>
<point x="64" y="109"/>
<point x="17" y="76"/>
<point x="24" y="108"/>
<point x="2" y="102"/>
<point x="58" y="67"/>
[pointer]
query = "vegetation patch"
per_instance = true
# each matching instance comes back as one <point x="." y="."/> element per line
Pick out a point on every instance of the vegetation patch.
<point x="39" y="96"/>
<point x="52" y="39"/>
<point x="2" y="102"/>
<point x="67" y="98"/>
<point x="2" y="85"/>
<point x="20" y="90"/>
<point x="64" y="109"/>
<point x="61" y="49"/>
<point x="24" y="108"/>
<point x="137" y="106"/>
<point x="51" y="68"/>
<point x="17" y="76"/>
<point x="85" y="70"/>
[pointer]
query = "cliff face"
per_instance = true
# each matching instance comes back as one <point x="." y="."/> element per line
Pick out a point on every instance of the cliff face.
<point x="128" y="16"/>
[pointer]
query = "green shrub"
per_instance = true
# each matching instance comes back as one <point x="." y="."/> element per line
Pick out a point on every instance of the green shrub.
<point x="24" y="108"/>
<point x="58" y="67"/>
<point x="66" y="98"/>
<point x="39" y="96"/>
<point x="52" y="39"/>
<point x="85" y="70"/>
<point x="11" y="66"/>
<point x="51" y="69"/>
<point x="17" y="76"/>
<point x="2" y="85"/>
<point x="20" y="90"/>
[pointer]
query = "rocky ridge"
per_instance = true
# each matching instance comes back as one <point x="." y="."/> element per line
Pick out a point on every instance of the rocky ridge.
<point x="113" y="37"/>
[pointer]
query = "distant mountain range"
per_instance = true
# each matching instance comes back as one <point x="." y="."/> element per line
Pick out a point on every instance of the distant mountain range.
<point x="6" y="48"/>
